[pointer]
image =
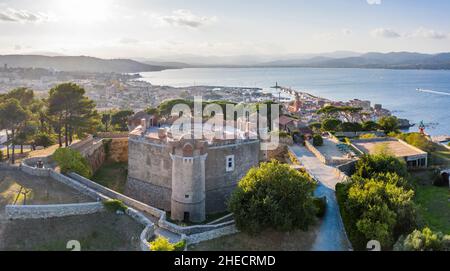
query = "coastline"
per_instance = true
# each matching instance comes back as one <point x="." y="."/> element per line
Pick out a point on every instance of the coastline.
<point x="396" y="90"/>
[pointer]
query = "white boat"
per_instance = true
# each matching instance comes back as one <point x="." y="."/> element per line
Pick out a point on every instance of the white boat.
<point x="433" y="91"/>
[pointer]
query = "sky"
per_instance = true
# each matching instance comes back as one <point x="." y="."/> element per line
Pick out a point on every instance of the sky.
<point x="157" y="28"/>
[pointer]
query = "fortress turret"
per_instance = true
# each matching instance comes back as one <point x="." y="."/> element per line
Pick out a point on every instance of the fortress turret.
<point x="188" y="180"/>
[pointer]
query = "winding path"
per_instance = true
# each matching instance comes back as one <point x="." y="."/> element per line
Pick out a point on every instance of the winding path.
<point x="331" y="235"/>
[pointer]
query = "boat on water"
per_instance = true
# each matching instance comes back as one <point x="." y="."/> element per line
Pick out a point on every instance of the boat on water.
<point x="433" y="91"/>
<point x="424" y="90"/>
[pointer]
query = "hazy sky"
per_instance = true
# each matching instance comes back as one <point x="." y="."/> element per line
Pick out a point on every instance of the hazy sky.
<point x="149" y="28"/>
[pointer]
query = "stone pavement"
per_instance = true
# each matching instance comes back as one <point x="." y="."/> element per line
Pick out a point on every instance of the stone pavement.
<point x="323" y="173"/>
<point x="331" y="235"/>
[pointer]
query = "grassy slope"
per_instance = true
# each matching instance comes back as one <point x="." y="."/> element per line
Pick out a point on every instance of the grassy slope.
<point x="434" y="207"/>
<point x="267" y="241"/>
<point x="97" y="232"/>
<point x="112" y="175"/>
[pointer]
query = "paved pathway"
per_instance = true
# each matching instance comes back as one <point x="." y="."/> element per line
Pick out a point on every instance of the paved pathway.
<point x="173" y="237"/>
<point x="331" y="235"/>
<point x="323" y="173"/>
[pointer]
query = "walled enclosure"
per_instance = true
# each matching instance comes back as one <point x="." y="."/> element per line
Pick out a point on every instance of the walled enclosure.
<point x="187" y="177"/>
<point x="97" y="151"/>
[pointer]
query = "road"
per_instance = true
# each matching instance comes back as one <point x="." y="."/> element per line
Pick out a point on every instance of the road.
<point x="331" y="235"/>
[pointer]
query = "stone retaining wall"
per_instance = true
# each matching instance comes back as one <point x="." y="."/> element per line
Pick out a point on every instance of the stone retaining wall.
<point x="190" y="230"/>
<point x="348" y="168"/>
<point x="213" y="234"/>
<point x="146" y="234"/>
<point x="82" y="144"/>
<point x="198" y="233"/>
<point x="317" y="153"/>
<point x="115" y="195"/>
<point x="7" y="166"/>
<point x="118" y="151"/>
<point x="113" y="134"/>
<point x="49" y="211"/>
<point x="162" y="222"/>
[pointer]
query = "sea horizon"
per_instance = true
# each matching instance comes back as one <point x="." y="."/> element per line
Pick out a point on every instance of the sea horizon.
<point x="396" y="90"/>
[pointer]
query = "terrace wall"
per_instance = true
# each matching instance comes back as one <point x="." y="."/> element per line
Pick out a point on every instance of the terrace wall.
<point x="49" y="211"/>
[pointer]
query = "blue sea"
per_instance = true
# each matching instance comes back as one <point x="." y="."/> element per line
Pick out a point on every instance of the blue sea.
<point x="396" y="90"/>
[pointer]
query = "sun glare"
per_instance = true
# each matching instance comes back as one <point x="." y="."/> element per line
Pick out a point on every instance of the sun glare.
<point x="83" y="11"/>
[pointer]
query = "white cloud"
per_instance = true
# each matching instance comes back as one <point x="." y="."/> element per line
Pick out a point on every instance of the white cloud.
<point x="22" y="16"/>
<point x="374" y="2"/>
<point x="423" y="32"/>
<point x="385" y="33"/>
<point x="346" y="32"/>
<point x="183" y="17"/>
<point x="128" y="41"/>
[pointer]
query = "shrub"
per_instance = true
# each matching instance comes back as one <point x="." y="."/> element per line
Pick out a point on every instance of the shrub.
<point x="44" y="139"/>
<point x="321" y="206"/>
<point x="379" y="208"/>
<point x="331" y="125"/>
<point x="351" y="127"/>
<point x="72" y="161"/>
<point x="418" y="140"/>
<point x="389" y="124"/>
<point x="347" y="141"/>
<point x="317" y="140"/>
<point x="442" y="180"/>
<point x="370" y="165"/>
<point x="425" y="240"/>
<point x="368" y="136"/>
<point x="273" y="196"/>
<point x="180" y="246"/>
<point x="115" y="205"/>
<point x="294" y="159"/>
<point x="370" y="126"/>
<point x="163" y="244"/>
<point x="1" y="155"/>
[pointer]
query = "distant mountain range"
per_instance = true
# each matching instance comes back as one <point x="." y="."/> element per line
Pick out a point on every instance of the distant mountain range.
<point x="340" y="59"/>
<point x="395" y="60"/>
<point x="78" y="63"/>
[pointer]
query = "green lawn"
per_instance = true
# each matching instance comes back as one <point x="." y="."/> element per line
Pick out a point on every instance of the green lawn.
<point x="441" y="156"/>
<point x="434" y="207"/>
<point x="112" y="175"/>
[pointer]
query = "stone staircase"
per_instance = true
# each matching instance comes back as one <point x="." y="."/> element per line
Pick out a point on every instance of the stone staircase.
<point x="171" y="236"/>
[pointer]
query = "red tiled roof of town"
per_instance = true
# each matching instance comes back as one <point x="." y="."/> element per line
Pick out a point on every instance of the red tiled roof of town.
<point x="284" y="120"/>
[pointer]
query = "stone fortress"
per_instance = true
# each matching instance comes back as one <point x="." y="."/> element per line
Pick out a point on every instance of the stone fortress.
<point x="187" y="177"/>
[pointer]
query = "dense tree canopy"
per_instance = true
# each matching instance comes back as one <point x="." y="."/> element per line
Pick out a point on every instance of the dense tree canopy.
<point x="331" y="125"/>
<point x="389" y="124"/>
<point x="370" y="165"/>
<point x="377" y="202"/>
<point x="12" y="118"/>
<point x="119" y="119"/>
<point x="71" y="111"/>
<point x="418" y="140"/>
<point x="72" y="161"/>
<point x="351" y="127"/>
<point x="370" y="126"/>
<point x="424" y="240"/>
<point x="273" y="196"/>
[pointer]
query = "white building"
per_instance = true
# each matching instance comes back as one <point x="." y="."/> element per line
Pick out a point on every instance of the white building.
<point x="2" y="137"/>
